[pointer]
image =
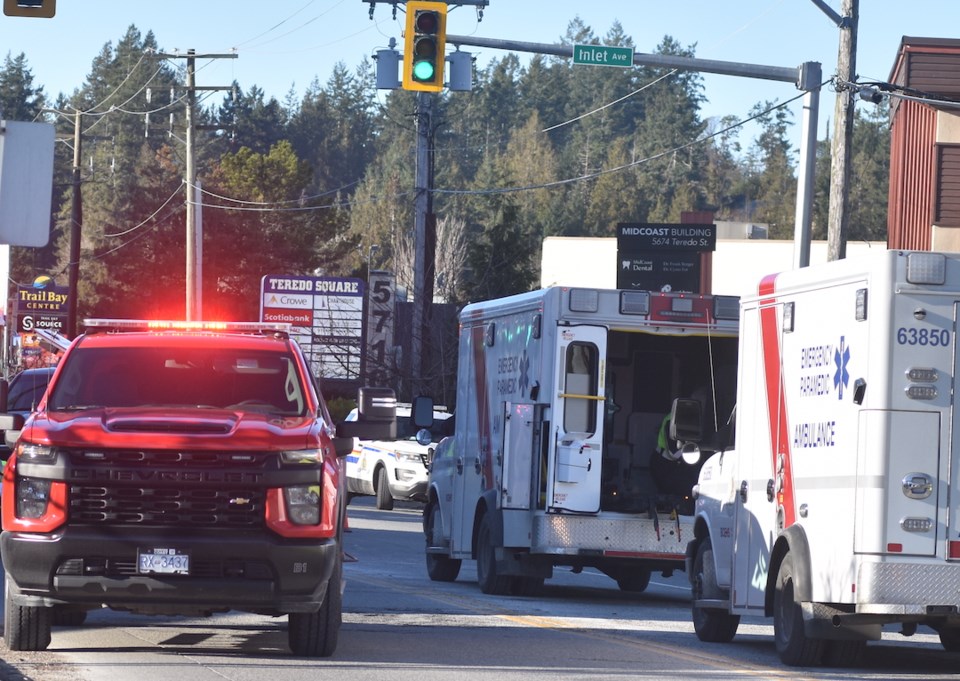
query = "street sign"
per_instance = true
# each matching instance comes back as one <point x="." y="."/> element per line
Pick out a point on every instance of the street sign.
<point x="603" y="55"/>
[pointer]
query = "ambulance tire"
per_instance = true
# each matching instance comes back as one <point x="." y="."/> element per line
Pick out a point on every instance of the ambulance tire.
<point x="950" y="639"/>
<point x="793" y="646"/>
<point x="25" y="627"/>
<point x="440" y="568"/>
<point x="490" y="582"/>
<point x="315" y="634"/>
<point x="526" y="586"/>
<point x="712" y="625"/>
<point x="384" y="498"/>
<point x="843" y="653"/>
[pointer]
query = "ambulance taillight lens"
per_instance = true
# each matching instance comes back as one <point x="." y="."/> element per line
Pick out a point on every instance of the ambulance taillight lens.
<point x="955" y="549"/>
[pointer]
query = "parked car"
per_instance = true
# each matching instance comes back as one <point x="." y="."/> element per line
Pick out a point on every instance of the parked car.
<point x="23" y="395"/>
<point x="395" y="469"/>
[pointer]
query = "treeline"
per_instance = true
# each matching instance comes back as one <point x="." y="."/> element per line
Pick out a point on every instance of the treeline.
<point x="323" y="183"/>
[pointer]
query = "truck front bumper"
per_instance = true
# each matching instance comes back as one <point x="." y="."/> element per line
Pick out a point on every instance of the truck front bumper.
<point x="248" y="571"/>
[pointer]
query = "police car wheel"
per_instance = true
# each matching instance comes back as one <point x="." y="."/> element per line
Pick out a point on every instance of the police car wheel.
<point x="384" y="498"/>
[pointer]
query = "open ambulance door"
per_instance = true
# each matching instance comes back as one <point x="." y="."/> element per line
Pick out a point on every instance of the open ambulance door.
<point x="575" y="449"/>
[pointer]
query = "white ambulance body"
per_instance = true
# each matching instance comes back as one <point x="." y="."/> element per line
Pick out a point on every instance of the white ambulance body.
<point x="561" y="394"/>
<point x="836" y="512"/>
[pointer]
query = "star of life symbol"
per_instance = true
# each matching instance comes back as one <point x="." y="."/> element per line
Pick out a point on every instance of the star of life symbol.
<point x="524" y="381"/>
<point x="841" y="357"/>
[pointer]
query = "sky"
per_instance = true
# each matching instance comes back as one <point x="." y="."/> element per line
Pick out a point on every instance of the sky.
<point x="283" y="45"/>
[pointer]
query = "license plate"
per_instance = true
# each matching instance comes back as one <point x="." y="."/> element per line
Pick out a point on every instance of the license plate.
<point x="163" y="561"/>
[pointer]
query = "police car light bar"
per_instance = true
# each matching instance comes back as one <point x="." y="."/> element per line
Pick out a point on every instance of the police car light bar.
<point x="101" y="325"/>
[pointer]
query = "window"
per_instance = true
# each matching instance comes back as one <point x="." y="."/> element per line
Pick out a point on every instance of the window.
<point x="580" y="407"/>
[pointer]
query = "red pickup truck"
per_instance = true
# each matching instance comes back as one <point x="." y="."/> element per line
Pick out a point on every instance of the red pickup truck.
<point x="180" y="468"/>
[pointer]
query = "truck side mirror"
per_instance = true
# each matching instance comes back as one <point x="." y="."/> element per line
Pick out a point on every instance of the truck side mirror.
<point x="685" y="423"/>
<point x="376" y="416"/>
<point x="421" y="412"/>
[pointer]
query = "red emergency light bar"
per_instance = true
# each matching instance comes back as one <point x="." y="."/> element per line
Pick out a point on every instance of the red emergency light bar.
<point x="115" y="325"/>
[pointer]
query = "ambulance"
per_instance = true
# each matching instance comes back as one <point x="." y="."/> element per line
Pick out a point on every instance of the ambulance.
<point x="836" y="511"/>
<point x="556" y="458"/>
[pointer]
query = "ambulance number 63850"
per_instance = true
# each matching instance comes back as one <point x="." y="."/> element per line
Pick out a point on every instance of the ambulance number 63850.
<point x="923" y="336"/>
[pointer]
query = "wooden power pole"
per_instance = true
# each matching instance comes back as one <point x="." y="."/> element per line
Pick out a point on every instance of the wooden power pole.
<point x="838" y="219"/>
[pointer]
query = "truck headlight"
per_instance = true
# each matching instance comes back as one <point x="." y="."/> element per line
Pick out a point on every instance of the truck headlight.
<point x="31" y="453"/>
<point x="303" y="504"/>
<point x="302" y="456"/>
<point x="33" y="495"/>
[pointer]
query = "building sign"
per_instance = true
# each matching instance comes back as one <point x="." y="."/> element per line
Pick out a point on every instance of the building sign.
<point x="381" y="317"/>
<point x="41" y="308"/>
<point x="662" y="257"/>
<point x="326" y="318"/>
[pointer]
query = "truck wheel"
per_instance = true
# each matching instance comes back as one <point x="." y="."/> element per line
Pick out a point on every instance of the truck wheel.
<point x="526" y="586"/>
<point x="488" y="579"/>
<point x="843" y="653"/>
<point x="314" y="634"/>
<point x="63" y="617"/>
<point x="384" y="498"/>
<point x="711" y="624"/>
<point x="441" y="568"/>
<point x="24" y="627"/>
<point x="635" y="581"/>
<point x="950" y="639"/>
<point x="793" y="645"/>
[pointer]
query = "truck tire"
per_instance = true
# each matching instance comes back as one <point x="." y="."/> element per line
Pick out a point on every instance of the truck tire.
<point x="314" y="634"/>
<point x="711" y="624"/>
<point x="64" y="617"/>
<point x="526" y="586"/>
<point x="440" y="568"/>
<point x="950" y="639"/>
<point x="384" y="498"/>
<point x="488" y="579"/>
<point x="793" y="646"/>
<point x="636" y="580"/>
<point x="24" y="627"/>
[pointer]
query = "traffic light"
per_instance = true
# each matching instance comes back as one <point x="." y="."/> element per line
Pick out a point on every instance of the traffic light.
<point x="30" y="8"/>
<point x="424" y="43"/>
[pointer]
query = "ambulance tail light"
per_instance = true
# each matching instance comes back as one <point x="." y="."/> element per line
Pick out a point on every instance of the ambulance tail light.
<point x="584" y="300"/>
<point x="927" y="268"/>
<point x="955" y="549"/>
<point x="726" y="307"/>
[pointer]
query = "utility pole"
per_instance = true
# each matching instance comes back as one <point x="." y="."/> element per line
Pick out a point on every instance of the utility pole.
<point x="76" y="225"/>
<point x="194" y="236"/>
<point x="424" y="239"/>
<point x="838" y="219"/>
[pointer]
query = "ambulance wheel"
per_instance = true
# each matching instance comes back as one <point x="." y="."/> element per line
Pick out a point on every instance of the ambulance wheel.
<point x="384" y="498"/>
<point x="950" y="639"/>
<point x="843" y="653"/>
<point x="315" y="634"/>
<point x="635" y="581"/>
<point x="25" y="627"/>
<point x="712" y="625"/>
<point x="794" y="647"/>
<point x="440" y="568"/>
<point x="488" y="579"/>
<point x="526" y="586"/>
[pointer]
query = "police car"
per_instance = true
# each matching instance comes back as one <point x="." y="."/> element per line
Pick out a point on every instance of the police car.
<point x="396" y="469"/>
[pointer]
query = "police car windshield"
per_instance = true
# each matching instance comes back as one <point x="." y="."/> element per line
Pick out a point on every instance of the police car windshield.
<point x="244" y="380"/>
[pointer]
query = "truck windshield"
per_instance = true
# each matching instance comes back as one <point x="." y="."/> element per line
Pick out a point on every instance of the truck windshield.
<point x="220" y="378"/>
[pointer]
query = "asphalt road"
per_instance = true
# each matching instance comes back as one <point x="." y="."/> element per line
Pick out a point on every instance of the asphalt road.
<point x="400" y="625"/>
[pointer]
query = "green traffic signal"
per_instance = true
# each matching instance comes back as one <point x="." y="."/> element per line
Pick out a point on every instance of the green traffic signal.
<point x="423" y="71"/>
<point x="425" y="39"/>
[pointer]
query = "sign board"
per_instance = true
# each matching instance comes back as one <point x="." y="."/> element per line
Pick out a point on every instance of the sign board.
<point x="603" y="55"/>
<point x="661" y="256"/>
<point x="26" y="182"/>
<point x="326" y="316"/>
<point x="381" y="318"/>
<point x="41" y="308"/>
<point x="655" y="236"/>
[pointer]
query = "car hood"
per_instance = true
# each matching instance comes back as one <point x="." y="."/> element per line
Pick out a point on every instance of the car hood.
<point x="156" y="429"/>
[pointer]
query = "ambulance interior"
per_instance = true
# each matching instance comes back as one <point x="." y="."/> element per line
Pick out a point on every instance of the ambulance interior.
<point x="644" y="373"/>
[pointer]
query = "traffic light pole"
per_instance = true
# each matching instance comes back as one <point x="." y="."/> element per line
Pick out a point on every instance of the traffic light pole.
<point x="806" y="77"/>
<point x="423" y="239"/>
